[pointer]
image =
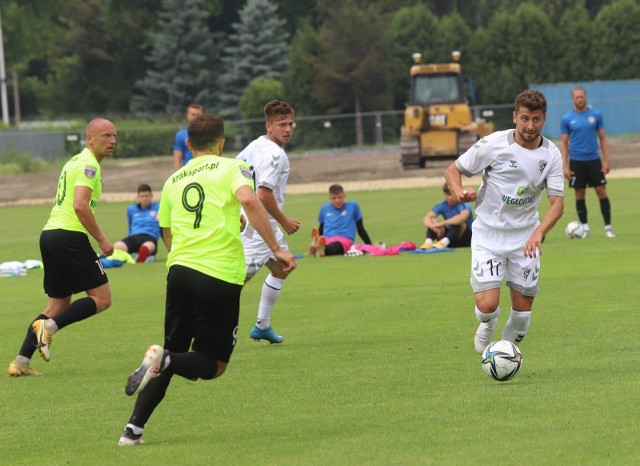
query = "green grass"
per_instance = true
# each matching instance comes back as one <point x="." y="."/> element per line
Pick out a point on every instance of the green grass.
<point x="378" y="366"/>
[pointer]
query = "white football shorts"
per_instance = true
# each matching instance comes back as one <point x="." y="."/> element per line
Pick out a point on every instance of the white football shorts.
<point x="256" y="252"/>
<point x="496" y="253"/>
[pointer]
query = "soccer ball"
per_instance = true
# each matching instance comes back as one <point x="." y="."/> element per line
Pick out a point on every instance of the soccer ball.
<point x="501" y="360"/>
<point x="574" y="230"/>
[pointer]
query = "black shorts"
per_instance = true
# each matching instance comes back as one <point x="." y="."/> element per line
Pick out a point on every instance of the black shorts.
<point x="70" y="263"/>
<point x="203" y="310"/>
<point x="134" y="242"/>
<point x="587" y="173"/>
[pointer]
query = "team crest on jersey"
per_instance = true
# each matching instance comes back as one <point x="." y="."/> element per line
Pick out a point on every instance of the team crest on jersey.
<point x="90" y="172"/>
<point x="592" y="120"/>
<point x="246" y="172"/>
<point x="526" y="272"/>
<point x="542" y="165"/>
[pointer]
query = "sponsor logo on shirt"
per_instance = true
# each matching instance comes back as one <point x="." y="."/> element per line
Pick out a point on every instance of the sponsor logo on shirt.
<point x="521" y="190"/>
<point x="513" y="164"/>
<point x="90" y="172"/>
<point x="506" y="199"/>
<point x="246" y="173"/>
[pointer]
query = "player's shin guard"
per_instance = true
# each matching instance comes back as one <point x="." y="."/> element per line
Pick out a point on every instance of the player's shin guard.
<point x="491" y="318"/>
<point x="581" y="209"/>
<point x="605" y="208"/>
<point x="517" y="326"/>
<point x="271" y="289"/>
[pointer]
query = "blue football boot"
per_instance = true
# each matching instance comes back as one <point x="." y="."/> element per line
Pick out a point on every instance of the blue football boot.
<point x="268" y="334"/>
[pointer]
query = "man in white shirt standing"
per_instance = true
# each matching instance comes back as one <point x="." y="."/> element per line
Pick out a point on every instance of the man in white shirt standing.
<point x="516" y="165"/>
<point x="270" y="166"/>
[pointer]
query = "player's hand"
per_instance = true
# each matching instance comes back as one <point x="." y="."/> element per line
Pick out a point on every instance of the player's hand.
<point x="568" y="174"/>
<point x="468" y="195"/>
<point x="605" y="167"/>
<point x="287" y="259"/>
<point x="291" y="226"/>
<point x="106" y="247"/>
<point x="533" y="246"/>
<point x="243" y="223"/>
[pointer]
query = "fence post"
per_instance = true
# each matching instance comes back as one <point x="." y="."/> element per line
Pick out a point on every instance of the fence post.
<point x="378" y="123"/>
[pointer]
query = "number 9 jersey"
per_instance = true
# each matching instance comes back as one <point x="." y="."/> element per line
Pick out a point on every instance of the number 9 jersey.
<point x="199" y="205"/>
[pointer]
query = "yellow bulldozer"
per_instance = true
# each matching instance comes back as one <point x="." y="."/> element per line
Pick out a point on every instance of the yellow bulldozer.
<point x="438" y="122"/>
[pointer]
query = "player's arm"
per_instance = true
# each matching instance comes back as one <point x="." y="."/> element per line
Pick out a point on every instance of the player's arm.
<point x="269" y="202"/>
<point x="457" y="219"/>
<point x="167" y="237"/>
<point x="604" y="148"/>
<point x="257" y="215"/>
<point x="177" y="159"/>
<point x="533" y="246"/>
<point x="81" y="200"/>
<point x="431" y="220"/>
<point x="362" y="232"/>
<point x="564" y="150"/>
<point x="454" y="180"/>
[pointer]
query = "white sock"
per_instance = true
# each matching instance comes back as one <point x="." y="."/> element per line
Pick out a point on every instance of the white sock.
<point x="585" y="227"/>
<point x="445" y="241"/>
<point x="491" y="318"/>
<point x="428" y="241"/>
<point x="517" y="326"/>
<point x="23" y="360"/>
<point x="51" y="325"/>
<point x="271" y="289"/>
<point x="136" y="430"/>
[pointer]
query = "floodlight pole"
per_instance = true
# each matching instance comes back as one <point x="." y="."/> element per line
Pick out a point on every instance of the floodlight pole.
<point x="3" y="81"/>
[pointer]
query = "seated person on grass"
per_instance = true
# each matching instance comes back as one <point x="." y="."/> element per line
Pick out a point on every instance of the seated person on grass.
<point x="144" y="229"/>
<point x="339" y="220"/>
<point x="454" y="230"/>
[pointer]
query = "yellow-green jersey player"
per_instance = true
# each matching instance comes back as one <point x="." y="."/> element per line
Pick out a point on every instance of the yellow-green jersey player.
<point x="200" y="218"/>
<point x="70" y="263"/>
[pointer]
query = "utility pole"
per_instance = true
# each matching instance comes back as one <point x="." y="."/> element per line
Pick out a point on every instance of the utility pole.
<point x="3" y="81"/>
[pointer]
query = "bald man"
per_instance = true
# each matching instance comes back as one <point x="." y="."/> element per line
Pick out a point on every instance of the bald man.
<point x="70" y="263"/>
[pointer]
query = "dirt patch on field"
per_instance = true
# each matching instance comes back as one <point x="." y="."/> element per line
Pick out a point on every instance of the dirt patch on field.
<point x="356" y="170"/>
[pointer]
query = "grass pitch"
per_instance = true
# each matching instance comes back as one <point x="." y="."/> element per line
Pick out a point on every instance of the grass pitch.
<point x="377" y="367"/>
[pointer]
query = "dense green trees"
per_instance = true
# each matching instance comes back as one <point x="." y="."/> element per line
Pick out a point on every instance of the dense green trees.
<point x="325" y="56"/>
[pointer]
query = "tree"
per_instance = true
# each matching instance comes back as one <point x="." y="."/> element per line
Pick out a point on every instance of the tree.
<point x="298" y="79"/>
<point x="181" y="61"/>
<point x="257" y="94"/>
<point x="576" y="63"/>
<point x="352" y="66"/>
<point x="514" y="51"/>
<point x="409" y="30"/>
<point x="615" y="49"/>
<point x="258" y="48"/>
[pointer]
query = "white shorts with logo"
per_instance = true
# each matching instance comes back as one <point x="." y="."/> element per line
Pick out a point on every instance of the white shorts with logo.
<point x="256" y="252"/>
<point x="496" y="253"/>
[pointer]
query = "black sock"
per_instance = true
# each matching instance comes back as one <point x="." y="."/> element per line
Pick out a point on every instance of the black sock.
<point x="193" y="365"/>
<point x="80" y="309"/>
<point x="605" y="208"/>
<point x="150" y="398"/>
<point x="30" y="342"/>
<point x="581" y="207"/>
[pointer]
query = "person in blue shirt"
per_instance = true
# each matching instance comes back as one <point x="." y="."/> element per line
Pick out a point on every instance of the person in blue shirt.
<point x="338" y="222"/>
<point x="580" y="131"/>
<point x="181" y="153"/>
<point x="144" y="229"/>
<point x="454" y="229"/>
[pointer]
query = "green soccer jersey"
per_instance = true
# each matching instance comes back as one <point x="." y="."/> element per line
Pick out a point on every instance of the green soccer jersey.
<point x="199" y="204"/>
<point x="81" y="170"/>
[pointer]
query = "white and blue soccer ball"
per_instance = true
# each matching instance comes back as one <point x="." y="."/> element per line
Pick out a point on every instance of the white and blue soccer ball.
<point x="574" y="230"/>
<point x="501" y="360"/>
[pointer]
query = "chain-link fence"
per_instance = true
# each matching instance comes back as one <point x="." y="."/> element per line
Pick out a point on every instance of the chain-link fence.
<point x="376" y="130"/>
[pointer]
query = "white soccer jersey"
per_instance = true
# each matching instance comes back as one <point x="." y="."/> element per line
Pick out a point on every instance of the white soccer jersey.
<point x="270" y="166"/>
<point x="513" y="179"/>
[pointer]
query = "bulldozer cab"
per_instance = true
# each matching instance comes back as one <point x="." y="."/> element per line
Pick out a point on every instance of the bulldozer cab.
<point x="429" y="89"/>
